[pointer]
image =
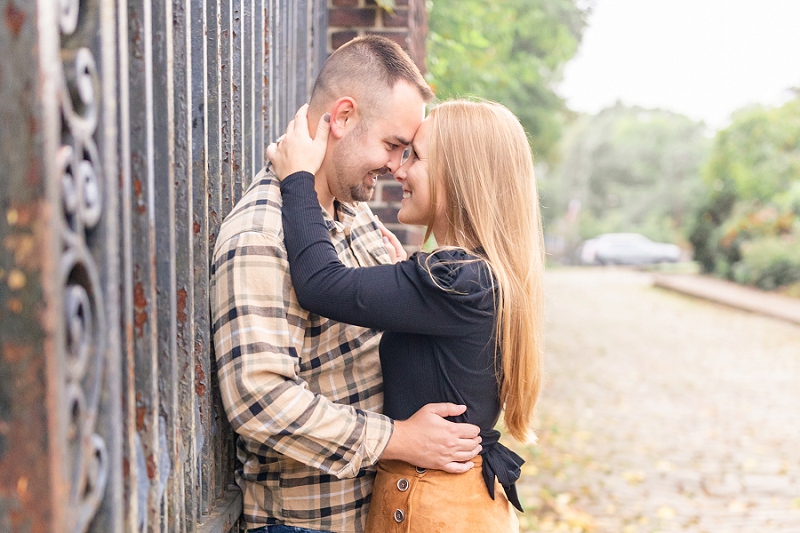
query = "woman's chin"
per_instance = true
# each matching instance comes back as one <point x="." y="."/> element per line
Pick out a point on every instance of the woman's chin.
<point x="404" y="218"/>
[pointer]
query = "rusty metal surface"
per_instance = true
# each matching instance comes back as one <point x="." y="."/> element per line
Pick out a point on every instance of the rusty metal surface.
<point x="128" y="130"/>
<point x="28" y="259"/>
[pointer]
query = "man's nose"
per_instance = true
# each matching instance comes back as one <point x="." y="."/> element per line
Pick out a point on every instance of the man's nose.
<point x="400" y="174"/>
<point x="394" y="161"/>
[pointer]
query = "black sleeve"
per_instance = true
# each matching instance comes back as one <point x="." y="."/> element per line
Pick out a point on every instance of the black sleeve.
<point x="390" y="297"/>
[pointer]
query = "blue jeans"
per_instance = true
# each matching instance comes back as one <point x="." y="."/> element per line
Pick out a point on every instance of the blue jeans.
<point x="284" y="529"/>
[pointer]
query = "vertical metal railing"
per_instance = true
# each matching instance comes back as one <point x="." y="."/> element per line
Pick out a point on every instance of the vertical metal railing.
<point x="145" y="120"/>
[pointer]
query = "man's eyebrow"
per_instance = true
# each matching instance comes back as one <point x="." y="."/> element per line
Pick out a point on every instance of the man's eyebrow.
<point x="400" y="140"/>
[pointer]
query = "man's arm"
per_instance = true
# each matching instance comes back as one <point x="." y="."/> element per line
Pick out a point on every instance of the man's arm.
<point x="266" y="401"/>
<point x="264" y="398"/>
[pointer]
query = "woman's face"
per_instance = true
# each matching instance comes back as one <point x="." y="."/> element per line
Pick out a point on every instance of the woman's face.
<point x="413" y="176"/>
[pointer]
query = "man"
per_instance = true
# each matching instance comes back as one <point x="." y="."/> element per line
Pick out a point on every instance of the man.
<point x="303" y="392"/>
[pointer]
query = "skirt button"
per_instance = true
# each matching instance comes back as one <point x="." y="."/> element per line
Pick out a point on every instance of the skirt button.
<point x="420" y="470"/>
<point x="402" y="485"/>
<point x="399" y="516"/>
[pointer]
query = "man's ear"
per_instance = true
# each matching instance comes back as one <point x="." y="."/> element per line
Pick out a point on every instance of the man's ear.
<point x="343" y="115"/>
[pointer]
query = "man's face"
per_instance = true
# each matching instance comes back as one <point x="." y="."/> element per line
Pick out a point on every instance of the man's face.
<point x="374" y="147"/>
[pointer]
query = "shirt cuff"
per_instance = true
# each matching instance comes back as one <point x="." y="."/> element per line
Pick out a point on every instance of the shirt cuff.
<point x="378" y="431"/>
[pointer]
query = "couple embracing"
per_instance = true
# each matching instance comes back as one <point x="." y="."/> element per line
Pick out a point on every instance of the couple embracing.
<point x="365" y="386"/>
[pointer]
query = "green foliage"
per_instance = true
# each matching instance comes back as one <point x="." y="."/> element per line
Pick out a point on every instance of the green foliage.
<point x="632" y="170"/>
<point x="704" y="227"/>
<point x="510" y="51"/>
<point x="759" y="153"/>
<point x="769" y="263"/>
<point x="751" y="198"/>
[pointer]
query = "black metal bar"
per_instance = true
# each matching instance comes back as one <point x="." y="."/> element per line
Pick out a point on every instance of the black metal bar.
<point x="319" y="42"/>
<point x="260" y="18"/>
<point x="146" y="121"/>
<point x="210" y="228"/>
<point x="302" y="52"/>
<point x="197" y="297"/>
<point x="184" y="475"/>
<point x="164" y="202"/>
<point x="145" y="325"/>
<point x="226" y="111"/>
<point x="248" y="92"/>
<point x="29" y="261"/>
<point x="237" y="100"/>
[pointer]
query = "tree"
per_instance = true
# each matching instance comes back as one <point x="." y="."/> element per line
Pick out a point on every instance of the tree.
<point x="631" y="169"/>
<point x="758" y="155"/>
<point x="751" y="201"/>
<point x="509" y="51"/>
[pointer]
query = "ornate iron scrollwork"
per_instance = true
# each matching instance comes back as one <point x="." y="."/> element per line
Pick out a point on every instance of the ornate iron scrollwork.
<point x="85" y="339"/>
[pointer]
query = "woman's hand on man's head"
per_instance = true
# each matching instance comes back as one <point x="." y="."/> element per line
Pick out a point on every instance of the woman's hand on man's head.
<point x="295" y="150"/>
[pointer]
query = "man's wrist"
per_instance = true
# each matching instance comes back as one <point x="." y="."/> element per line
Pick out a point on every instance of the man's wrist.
<point x="379" y="431"/>
<point x="397" y="444"/>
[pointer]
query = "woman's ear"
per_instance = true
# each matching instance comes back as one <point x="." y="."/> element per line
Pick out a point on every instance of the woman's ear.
<point x="343" y="113"/>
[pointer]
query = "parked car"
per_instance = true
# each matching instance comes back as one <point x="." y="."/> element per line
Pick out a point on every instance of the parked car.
<point x="627" y="249"/>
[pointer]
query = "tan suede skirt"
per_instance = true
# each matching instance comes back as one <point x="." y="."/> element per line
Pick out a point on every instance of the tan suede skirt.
<point x="411" y="500"/>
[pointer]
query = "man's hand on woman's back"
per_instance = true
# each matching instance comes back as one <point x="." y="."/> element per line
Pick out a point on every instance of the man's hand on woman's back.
<point x="427" y="440"/>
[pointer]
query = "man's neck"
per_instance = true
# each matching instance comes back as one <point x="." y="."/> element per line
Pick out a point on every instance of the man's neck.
<point x="324" y="194"/>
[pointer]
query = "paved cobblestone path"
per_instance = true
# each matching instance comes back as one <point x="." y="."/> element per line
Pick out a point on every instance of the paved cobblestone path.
<point x="662" y="413"/>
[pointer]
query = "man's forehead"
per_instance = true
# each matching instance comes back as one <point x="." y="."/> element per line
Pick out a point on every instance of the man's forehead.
<point x="400" y="128"/>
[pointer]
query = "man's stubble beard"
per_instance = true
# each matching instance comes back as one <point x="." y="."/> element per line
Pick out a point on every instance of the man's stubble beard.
<point x="344" y="170"/>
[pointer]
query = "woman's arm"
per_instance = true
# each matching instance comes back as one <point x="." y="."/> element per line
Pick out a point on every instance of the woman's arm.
<point x="393" y="297"/>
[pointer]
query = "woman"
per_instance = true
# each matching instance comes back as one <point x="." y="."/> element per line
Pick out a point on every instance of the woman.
<point x="463" y="323"/>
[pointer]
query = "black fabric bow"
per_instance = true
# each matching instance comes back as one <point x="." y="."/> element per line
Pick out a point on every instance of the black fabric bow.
<point x="502" y="463"/>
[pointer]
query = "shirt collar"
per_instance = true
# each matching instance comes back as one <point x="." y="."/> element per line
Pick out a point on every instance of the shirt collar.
<point x="344" y="213"/>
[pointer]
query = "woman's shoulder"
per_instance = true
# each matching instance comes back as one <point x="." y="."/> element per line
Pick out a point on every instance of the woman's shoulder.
<point x="454" y="270"/>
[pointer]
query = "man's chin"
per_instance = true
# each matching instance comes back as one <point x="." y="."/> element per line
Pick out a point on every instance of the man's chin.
<point x="361" y="194"/>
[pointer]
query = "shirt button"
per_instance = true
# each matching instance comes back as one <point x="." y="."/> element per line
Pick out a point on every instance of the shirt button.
<point x="399" y="516"/>
<point x="420" y="470"/>
<point x="402" y="485"/>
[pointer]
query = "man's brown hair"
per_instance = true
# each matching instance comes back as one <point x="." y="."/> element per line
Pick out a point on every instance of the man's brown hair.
<point x="366" y="68"/>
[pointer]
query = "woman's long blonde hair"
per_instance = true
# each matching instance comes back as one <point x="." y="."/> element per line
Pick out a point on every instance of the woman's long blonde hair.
<point x="479" y="155"/>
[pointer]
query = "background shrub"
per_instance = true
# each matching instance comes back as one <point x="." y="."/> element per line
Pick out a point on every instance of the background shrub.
<point x="769" y="263"/>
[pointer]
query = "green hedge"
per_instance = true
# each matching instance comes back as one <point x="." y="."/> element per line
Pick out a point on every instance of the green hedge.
<point x="769" y="263"/>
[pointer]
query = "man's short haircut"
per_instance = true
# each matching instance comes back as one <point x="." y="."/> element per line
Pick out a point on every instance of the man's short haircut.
<point x="366" y="68"/>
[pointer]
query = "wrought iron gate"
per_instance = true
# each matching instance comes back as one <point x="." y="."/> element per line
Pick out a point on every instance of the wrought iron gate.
<point x="128" y="129"/>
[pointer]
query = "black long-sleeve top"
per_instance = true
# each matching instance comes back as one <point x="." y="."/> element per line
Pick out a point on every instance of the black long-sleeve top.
<point x="438" y="313"/>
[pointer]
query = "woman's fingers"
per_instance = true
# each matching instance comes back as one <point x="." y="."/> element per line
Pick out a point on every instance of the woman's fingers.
<point x="301" y="118"/>
<point x="295" y="150"/>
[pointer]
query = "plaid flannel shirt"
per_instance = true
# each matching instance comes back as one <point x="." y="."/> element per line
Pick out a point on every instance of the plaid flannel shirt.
<point x="302" y="391"/>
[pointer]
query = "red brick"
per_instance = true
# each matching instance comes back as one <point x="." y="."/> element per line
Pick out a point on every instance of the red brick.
<point x="397" y="20"/>
<point x="386" y="213"/>
<point x="391" y="192"/>
<point x="345" y="3"/>
<point x="400" y="37"/>
<point x="340" y="37"/>
<point x="350" y="17"/>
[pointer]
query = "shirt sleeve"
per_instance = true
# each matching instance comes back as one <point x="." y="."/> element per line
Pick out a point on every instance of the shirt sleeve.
<point x="256" y="351"/>
<point x="402" y="297"/>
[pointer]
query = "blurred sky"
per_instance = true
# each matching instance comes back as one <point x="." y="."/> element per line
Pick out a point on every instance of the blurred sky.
<point x="702" y="58"/>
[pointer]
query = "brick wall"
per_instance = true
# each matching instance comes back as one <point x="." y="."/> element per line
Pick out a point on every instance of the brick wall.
<point x="408" y="27"/>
